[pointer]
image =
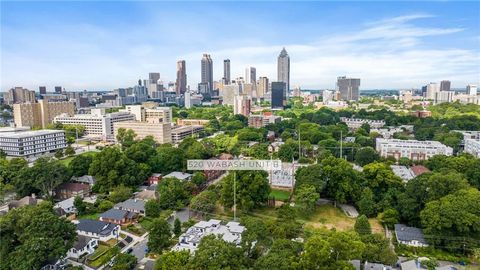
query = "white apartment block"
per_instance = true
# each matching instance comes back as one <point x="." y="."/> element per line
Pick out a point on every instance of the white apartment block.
<point x="411" y="149"/>
<point x="231" y="233"/>
<point x="180" y="133"/>
<point x="32" y="143"/>
<point x="143" y="114"/>
<point x="472" y="147"/>
<point x="161" y="132"/>
<point x="97" y="123"/>
<point x="355" y="123"/>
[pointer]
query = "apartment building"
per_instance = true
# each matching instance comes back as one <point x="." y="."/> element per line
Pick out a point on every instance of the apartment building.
<point x="161" y="132"/>
<point x="143" y="113"/>
<point x="411" y="149"/>
<point x="98" y="123"/>
<point x="194" y="122"/>
<point x="472" y="147"/>
<point x="355" y="123"/>
<point x="41" y="113"/>
<point x="180" y="133"/>
<point x="19" y="95"/>
<point x="258" y="121"/>
<point x="32" y="143"/>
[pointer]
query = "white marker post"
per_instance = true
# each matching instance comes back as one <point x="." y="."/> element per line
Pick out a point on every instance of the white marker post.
<point x="233" y="165"/>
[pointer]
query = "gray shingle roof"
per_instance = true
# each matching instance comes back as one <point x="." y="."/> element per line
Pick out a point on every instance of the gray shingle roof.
<point x="81" y="242"/>
<point x="405" y="233"/>
<point x="95" y="226"/>
<point x="132" y="204"/>
<point x="115" y="214"/>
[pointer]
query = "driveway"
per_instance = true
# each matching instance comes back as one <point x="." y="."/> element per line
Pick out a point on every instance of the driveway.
<point x="139" y="250"/>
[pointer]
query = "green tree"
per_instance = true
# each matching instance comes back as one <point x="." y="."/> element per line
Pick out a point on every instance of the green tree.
<point x="126" y="137"/>
<point x="140" y="151"/>
<point x="105" y="205"/>
<point x="32" y="236"/>
<point x="362" y="226"/>
<point x="173" y="260"/>
<point x="366" y="204"/>
<point x="124" y="261"/>
<point x="205" y="201"/>
<point x="177" y="227"/>
<point x="252" y="189"/>
<point x="79" y="205"/>
<point x="59" y="154"/>
<point x="47" y="174"/>
<point x="80" y="164"/>
<point x="69" y="151"/>
<point x="167" y="159"/>
<point x="120" y="194"/>
<point x="283" y="255"/>
<point x="160" y="235"/>
<point x="366" y="155"/>
<point x="153" y="208"/>
<point x="377" y="249"/>
<point x="310" y="175"/>
<point x="173" y="193"/>
<point x="215" y="254"/>
<point x="389" y="217"/>
<point x="306" y="198"/>
<point x="342" y="179"/>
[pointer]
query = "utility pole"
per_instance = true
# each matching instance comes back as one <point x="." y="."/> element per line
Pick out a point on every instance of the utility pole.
<point x="341" y="141"/>
<point x="299" y="147"/>
<point x="234" y="196"/>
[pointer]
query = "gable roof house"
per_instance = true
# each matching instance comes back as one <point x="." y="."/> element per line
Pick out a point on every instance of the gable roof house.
<point x="83" y="245"/>
<point x="101" y="230"/>
<point x="68" y="190"/>
<point x="118" y="216"/>
<point x="410" y="236"/>
<point x="133" y="205"/>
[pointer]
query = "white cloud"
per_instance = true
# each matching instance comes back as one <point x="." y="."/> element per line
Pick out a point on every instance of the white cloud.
<point x="388" y="53"/>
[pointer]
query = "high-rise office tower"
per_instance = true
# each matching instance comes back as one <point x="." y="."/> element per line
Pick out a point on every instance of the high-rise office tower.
<point x="262" y="87"/>
<point x="19" y="95"/>
<point x="207" y="72"/>
<point x="42" y="90"/>
<point x="153" y="77"/>
<point x="283" y="69"/>
<point x="181" y="85"/>
<point x="152" y="86"/>
<point x="58" y="89"/>
<point x="432" y="89"/>
<point x="472" y="90"/>
<point x="279" y="95"/>
<point x="251" y="75"/>
<point x="348" y="88"/>
<point x="226" y="71"/>
<point x="445" y="86"/>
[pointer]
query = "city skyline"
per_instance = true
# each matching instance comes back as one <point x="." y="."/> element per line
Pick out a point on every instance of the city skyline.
<point x="390" y="46"/>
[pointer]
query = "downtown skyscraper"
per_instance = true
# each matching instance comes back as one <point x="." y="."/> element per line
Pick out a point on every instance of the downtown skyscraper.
<point x="207" y="74"/>
<point x="348" y="88"/>
<point x="181" y="84"/>
<point x="226" y="71"/>
<point x="283" y="69"/>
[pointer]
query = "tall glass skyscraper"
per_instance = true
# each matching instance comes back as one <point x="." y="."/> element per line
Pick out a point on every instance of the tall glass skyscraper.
<point x="283" y="71"/>
<point x="207" y="72"/>
<point x="181" y="85"/>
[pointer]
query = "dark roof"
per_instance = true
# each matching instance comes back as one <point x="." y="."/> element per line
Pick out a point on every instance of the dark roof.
<point x="115" y="214"/>
<point x="73" y="186"/>
<point x="95" y="226"/>
<point x="81" y="242"/>
<point x="405" y="233"/>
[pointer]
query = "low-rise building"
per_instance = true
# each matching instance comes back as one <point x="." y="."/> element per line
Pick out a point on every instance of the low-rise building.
<point x="411" y="149"/>
<point x="410" y="236"/>
<point x="27" y="200"/>
<point x="355" y="123"/>
<point x="274" y="147"/>
<point x="32" y="143"/>
<point x="67" y="206"/>
<point x="472" y="147"/>
<point x="154" y="179"/>
<point x="231" y="233"/>
<point x="259" y="121"/>
<point x="98" y="123"/>
<point x="161" y="132"/>
<point x="403" y="172"/>
<point x="192" y="122"/>
<point x="83" y="245"/>
<point x="179" y="175"/>
<point x="182" y="132"/>
<point x="69" y="190"/>
<point x="100" y="230"/>
<point x="132" y="205"/>
<point x="118" y="216"/>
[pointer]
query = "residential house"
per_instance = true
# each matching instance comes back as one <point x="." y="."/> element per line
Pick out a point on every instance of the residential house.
<point x="27" y="200"/>
<point x="132" y="205"/>
<point x="410" y="236"/>
<point x="86" y="179"/>
<point x="231" y="233"/>
<point x="179" y="175"/>
<point x="100" y="230"/>
<point x="154" y="179"/>
<point x="274" y="147"/>
<point x="214" y="174"/>
<point x="418" y="170"/>
<point x="118" y="216"/>
<point x="66" y="206"/>
<point x="68" y="190"/>
<point x="146" y="195"/>
<point x="83" y="245"/>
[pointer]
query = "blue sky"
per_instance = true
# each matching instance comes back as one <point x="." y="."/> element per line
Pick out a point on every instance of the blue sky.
<point x="105" y="45"/>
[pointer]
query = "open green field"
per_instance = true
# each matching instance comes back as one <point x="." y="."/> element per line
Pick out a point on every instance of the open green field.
<point x="280" y="195"/>
<point x="66" y="161"/>
<point x="89" y="216"/>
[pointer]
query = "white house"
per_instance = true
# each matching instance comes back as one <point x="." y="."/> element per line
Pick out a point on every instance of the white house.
<point x="231" y="233"/>
<point x="100" y="230"/>
<point x="410" y="236"/>
<point x="83" y="245"/>
<point x="66" y="205"/>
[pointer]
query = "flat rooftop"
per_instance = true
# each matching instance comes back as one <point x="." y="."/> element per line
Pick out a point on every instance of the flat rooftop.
<point x="26" y="134"/>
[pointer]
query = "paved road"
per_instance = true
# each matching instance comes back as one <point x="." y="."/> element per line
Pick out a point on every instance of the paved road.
<point x="139" y="250"/>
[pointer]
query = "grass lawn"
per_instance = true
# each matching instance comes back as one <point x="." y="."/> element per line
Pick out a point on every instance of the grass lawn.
<point x="146" y="223"/>
<point x="89" y="216"/>
<point x="100" y="256"/>
<point x="135" y="229"/>
<point x="280" y="195"/>
<point x="67" y="160"/>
